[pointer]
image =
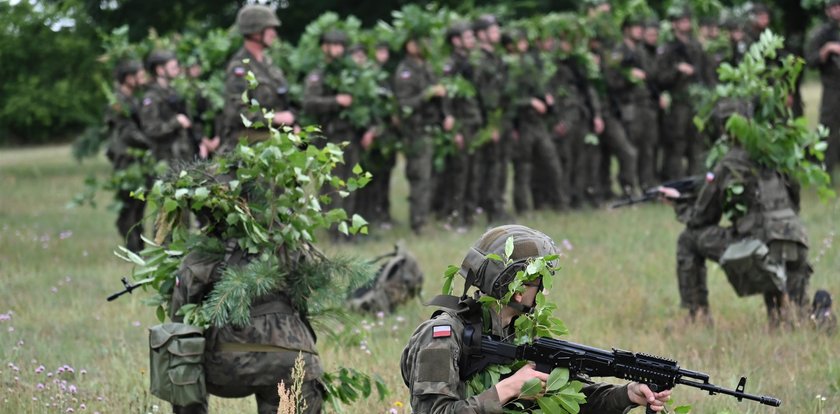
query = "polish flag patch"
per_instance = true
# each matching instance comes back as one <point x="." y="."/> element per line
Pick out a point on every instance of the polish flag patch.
<point x="443" y="331"/>
<point x="710" y="176"/>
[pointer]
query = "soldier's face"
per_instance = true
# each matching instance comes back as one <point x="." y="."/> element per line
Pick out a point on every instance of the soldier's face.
<point x="651" y="35"/>
<point x="142" y="77"/>
<point x="683" y="25"/>
<point x="269" y="35"/>
<point x="736" y="35"/>
<point x="522" y="45"/>
<point x="382" y="55"/>
<point x="468" y="39"/>
<point x="359" y="57"/>
<point x="833" y="12"/>
<point x="762" y="20"/>
<point x="635" y="32"/>
<point x="334" y="50"/>
<point x="494" y="35"/>
<point x="171" y="69"/>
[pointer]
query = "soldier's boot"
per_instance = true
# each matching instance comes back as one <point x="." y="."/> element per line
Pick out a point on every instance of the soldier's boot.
<point x="821" y="316"/>
<point x="701" y="315"/>
<point x="780" y="311"/>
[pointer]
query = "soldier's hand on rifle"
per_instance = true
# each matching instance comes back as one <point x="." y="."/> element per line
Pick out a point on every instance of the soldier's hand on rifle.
<point x="664" y="103"/>
<point x="642" y="395"/>
<point x="284" y="118"/>
<point x="598" y="125"/>
<point x="685" y="68"/>
<point x="438" y="90"/>
<point x="667" y="194"/>
<point x="538" y="105"/>
<point x="560" y="129"/>
<point x="344" y="100"/>
<point x="638" y="74"/>
<point x="829" y="48"/>
<point x="368" y="138"/>
<point x="510" y="387"/>
<point x="459" y="141"/>
<point x="549" y="99"/>
<point x="184" y="121"/>
<point x="495" y="135"/>
<point x="448" y="123"/>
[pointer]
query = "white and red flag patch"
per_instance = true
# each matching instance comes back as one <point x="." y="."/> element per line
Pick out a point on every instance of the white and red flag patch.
<point x="442" y="331"/>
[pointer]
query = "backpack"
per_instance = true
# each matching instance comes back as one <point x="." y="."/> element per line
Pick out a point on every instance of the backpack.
<point x="399" y="279"/>
<point x="176" y="363"/>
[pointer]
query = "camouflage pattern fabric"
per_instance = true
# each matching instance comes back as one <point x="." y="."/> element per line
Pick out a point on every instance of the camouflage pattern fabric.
<point x="830" y="77"/>
<point x="170" y="142"/>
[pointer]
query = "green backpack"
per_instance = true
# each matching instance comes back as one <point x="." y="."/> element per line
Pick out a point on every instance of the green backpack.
<point x="749" y="269"/>
<point x="176" y="363"/>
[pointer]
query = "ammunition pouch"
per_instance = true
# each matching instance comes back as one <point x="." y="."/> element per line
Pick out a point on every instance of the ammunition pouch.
<point x="176" y="363"/>
<point x="750" y="270"/>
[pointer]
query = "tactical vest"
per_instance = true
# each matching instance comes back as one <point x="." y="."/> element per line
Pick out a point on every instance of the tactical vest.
<point x="770" y="211"/>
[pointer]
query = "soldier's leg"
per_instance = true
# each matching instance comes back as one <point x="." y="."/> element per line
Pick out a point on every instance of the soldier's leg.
<point x="675" y="142"/>
<point x="694" y="247"/>
<point x="418" y="170"/>
<point x="477" y="171"/>
<point x="620" y="146"/>
<point x="551" y="169"/>
<point x="522" y="170"/>
<point x="645" y="132"/>
<point x="384" y="187"/>
<point x="829" y="108"/>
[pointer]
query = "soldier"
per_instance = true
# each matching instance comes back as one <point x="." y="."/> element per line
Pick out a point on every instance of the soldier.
<point x="325" y="104"/>
<point x="681" y="64"/>
<point x="203" y="108"/>
<point x="432" y="359"/>
<point x="124" y="133"/>
<point x="651" y="49"/>
<point x="418" y="93"/>
<point x="258" y="25"/>
<point x="163" y="113"/>
<point x="738" y="42"/>
<point x="249" y="360"/>
<point x="459" y="186"/>
<point x="631" y="85"/>
<point x="770" y="205"/>
<point x="823" y="53"/>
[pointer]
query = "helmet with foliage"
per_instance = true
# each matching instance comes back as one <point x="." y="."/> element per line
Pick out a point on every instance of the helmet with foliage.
<point x="126" y="68"/>
<point x="335" y="36"/>
<point x="157" y="58"/>
<point x="677" y="12"/>
<point x="492" y="276"/>
<point x="255" y="18"/>
<point x="484" y="22"/>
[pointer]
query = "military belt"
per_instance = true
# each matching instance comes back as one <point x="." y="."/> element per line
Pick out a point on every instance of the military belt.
<point x="780" y="214"/>
<point x="238" y="347"/>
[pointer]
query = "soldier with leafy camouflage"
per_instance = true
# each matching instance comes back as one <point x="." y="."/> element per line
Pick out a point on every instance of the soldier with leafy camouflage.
<point x="682" y="64"/>
<point x="823" y="53"/>
<point x="123" y="122"/>
<point x="258" y="25"/>
<point x="419" y="95"/>
<point x="762" y="204"/>
<point x="433" y="360"/>
<point x="163" y="113"/>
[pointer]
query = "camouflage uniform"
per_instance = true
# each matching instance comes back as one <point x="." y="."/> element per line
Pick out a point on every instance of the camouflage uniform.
<point x="430" y="369"/>
<point x="772" y="205"/>
<point x="636" y="106"/>
<point x="170" y="142"/>
<point x="830" y="76"/>
<point x="459" y="186"/>
<point x="272" y="93"/>
<point x="124" y="133"/>
<point x="682" y="139"/>
<point x="319" y="101"/>
<point x="241" y="361"/>
<point x="412" y="81"/>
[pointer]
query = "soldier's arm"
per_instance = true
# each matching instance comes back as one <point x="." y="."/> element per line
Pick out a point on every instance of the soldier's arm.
<point x="133" y="136"/>
<point x="404" y="85"/>
<point x="667" y="74"/>
<point x="153" y="126"/>
<point x="813" y="48"/>
<point x="606" y="399"/>
<point x="708" y="209"/>
<point x="314" y="100"/>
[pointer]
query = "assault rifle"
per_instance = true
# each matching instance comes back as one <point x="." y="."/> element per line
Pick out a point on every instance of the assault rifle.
<point x="584" y="362"/>
<point x="687" y="187"/>
<point x="129" y="287"/>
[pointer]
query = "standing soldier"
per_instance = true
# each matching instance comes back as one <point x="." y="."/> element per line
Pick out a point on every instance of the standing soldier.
<point x="461" y="184"/>
<point x="163" y="113"/>
<point x="630" y="85"/>
<point x="490" y="78"/>
<point x="419" y="95"/>
<point x="823" y="53"/>
<point x="681" y="65"/>
<point x="258" y="25"/>
<point x="325" y="104"/>
<point x="124" y="133"/>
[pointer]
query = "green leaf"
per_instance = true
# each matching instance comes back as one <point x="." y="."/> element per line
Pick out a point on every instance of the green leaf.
<point x="549" y="406"/>
<point x="531" y="388"/>
<point x="494" y="256"/>
<point x="683" y="409"/>
<point x="508" y="248"/>
<point x="169" y="205"/>
<point x="558" y="378"/>
<point x="161" y="314"/>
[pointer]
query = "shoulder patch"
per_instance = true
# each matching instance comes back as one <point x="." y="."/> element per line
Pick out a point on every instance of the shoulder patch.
<point x="660" y="50"/>
<point x="239" y="71"/>
<point x="147" y="101"/>
<point x="447" y="68"/>
<point x="405" y="74"/>
<point x="442" y="331"/>
<point x="313" y="78"/>
<point x="710" y="176"/>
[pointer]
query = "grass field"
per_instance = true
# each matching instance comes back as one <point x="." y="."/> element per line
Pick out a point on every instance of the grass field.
<point x="63" y="346"/>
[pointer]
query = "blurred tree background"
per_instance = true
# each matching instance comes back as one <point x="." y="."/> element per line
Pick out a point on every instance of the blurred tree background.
<point x="52" y="78"/>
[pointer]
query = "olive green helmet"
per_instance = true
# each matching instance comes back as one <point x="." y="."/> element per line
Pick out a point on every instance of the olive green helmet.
<point x="126" y="68"/>
<point x="157" y="58"/>
<point x="492" y="277"/>
<point x="255" y="18"/>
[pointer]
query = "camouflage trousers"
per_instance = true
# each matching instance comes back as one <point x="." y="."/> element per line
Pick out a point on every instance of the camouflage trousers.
<point x="829" y="108"/>
<point x="267" y="398"/>
<point x="642" y="126"/>
<point x="683" y="144"/>
<point x="616" y="144"/>
<point x="493" y="197"/>
<point x="130" y="220"/>
<point x="535" y="151"/>
<point x="695" y="246"/>
<point x="419" y="152"/>
<point x="373" y="201"/>
<point x="457" y="189"/>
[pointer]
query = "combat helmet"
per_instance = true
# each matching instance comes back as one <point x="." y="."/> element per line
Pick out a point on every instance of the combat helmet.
<point x="492" y="276"/>
<point x="255" y="18"/>
<point x="679" y="12"/>
<point x="484" y="22"/>
<point x="157" y="58"/>
<point x="335" y="36"/>
<point x="125" y="68"/>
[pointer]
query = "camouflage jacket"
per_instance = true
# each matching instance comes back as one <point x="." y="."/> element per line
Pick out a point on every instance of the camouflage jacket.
<point x="272" y="92"/>
<point x="123" y="122"/>
<point x="620" y="83"/>
<point x="158" y="118"/>
<point x="489" y="80"/>
<point x="575" y="98"/>
<point x="671" y="55"/>
<point x="412" y="81"/>
<point x="766" y="207"/>
<point x="319" y="102"/>
<point x="830" y="69"/>
<point x="261" y="353"/>
<point x="429" y="367"/>
<point x="465" y="110"/>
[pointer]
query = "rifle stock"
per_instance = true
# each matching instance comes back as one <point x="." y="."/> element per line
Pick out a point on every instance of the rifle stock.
<point x="584" y="362"/>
